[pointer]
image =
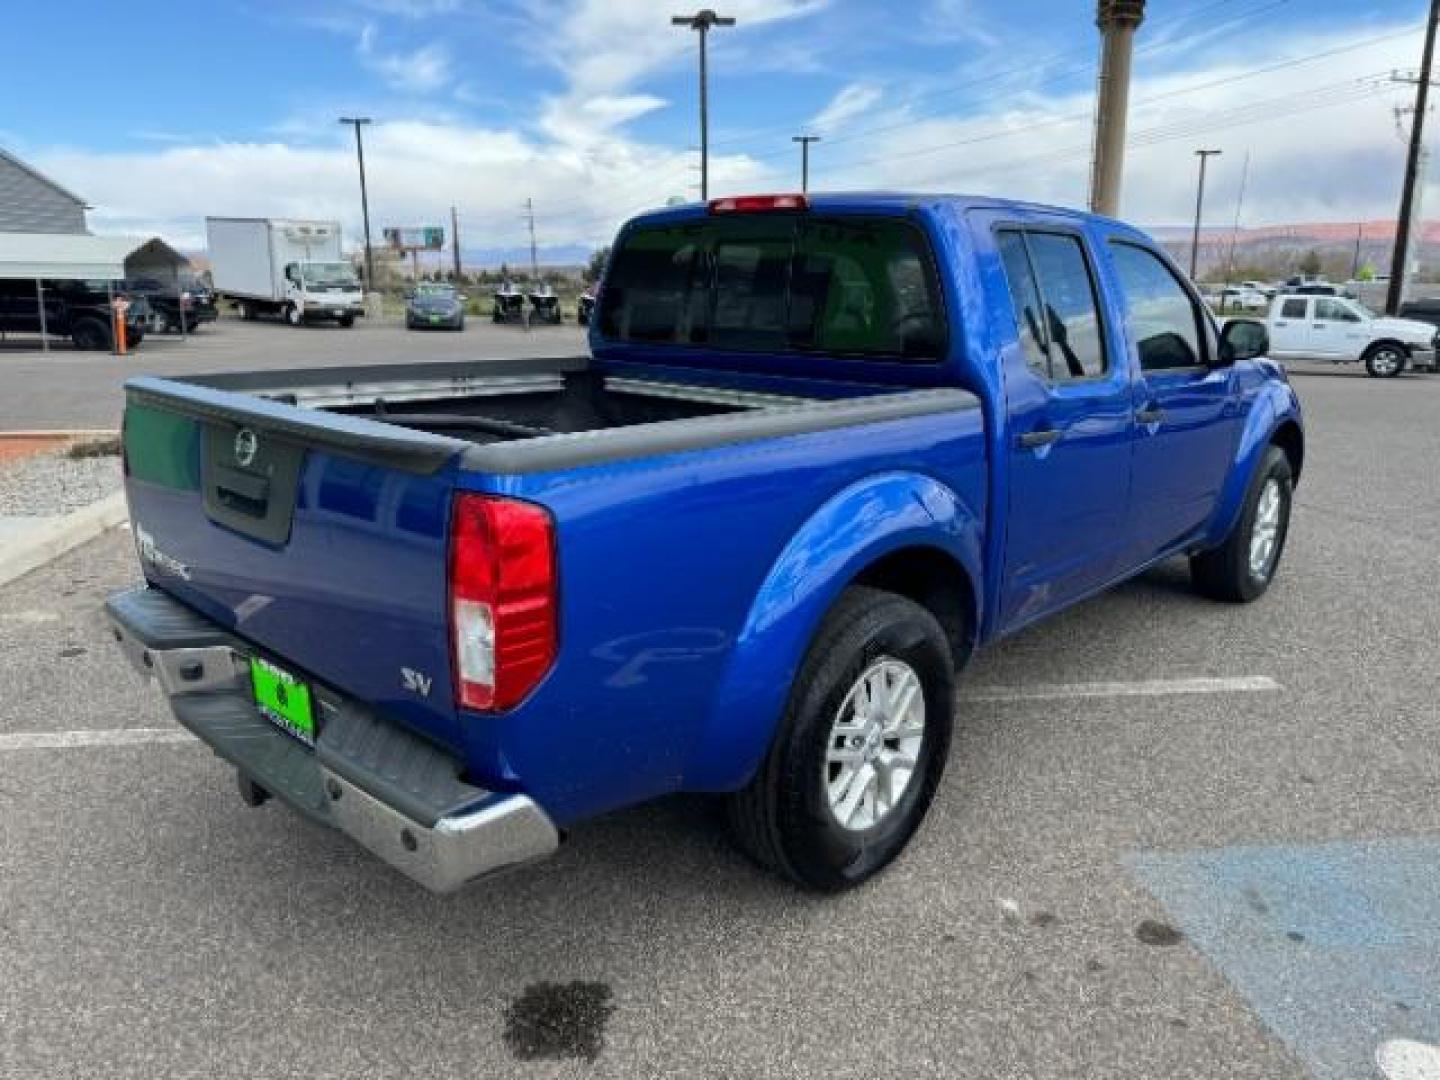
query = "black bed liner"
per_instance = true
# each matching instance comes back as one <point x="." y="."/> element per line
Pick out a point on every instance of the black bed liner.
<point x="539" y="415"/>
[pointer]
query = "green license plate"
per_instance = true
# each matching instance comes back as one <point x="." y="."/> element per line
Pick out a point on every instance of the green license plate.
<point x="283" y="700"/>
<point x="436" y="319"/>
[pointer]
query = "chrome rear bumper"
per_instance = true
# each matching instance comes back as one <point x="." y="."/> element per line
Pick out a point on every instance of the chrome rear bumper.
<point x="398" y="796"/>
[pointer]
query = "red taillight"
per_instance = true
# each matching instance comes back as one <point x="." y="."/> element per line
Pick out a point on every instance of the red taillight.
<point x="750" y="204"/>
<point x="502" y="599"/>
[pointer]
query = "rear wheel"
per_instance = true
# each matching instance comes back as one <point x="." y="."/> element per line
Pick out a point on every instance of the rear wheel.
<point x="860" y="749"/>
<point x="1241" y="568"/>
<point x="1385" y="360"/>
<point x="90" y="334"/>
<point x="244" y="311"/>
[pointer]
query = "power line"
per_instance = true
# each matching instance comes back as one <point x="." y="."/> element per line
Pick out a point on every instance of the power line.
<point x="990" y="77"/>
<point x="1141" y="138"/>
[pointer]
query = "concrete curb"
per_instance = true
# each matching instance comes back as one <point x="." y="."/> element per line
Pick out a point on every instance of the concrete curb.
<point x="51" y="539"/>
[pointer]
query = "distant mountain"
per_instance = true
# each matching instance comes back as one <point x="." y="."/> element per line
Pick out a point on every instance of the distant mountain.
<point x="1278" y="248"/>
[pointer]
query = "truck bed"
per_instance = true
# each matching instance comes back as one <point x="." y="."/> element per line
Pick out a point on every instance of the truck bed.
<point x="518" y="416"/>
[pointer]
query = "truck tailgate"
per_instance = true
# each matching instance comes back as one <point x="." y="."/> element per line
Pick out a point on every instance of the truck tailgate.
<point x="321" y="540"/>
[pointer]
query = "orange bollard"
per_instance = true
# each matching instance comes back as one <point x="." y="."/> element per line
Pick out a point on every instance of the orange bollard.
<point x="120" y="307"/>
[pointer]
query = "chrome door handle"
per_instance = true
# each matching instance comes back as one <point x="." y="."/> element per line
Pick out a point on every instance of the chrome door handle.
<point x="1033" y="440"/>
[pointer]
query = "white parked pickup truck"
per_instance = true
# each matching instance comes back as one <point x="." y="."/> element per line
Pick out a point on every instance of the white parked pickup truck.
<point x="1345" y="331"/>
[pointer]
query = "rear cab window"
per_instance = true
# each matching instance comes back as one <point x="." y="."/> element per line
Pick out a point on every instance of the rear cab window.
<point x="1057" y="310"/>
<point x="845" y="286"/>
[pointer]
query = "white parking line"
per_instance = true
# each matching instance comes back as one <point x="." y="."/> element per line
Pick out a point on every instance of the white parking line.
<point x="1243" y="684"/>
<point x="70" y="740"/>
<point x="1406" y="1059"/>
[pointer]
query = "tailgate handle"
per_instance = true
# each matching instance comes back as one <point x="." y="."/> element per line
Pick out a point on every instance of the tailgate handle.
<point x="242" y="492"/>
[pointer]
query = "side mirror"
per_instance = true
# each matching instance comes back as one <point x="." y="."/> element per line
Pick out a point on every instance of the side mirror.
<point x="1243" y="339"/>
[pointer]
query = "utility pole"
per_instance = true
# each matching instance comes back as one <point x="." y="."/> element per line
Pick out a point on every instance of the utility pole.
<point x="455" y="240"/>
<point x="1204" y="156"/>
<point x="1355" y="265"/>
<point x="805" y="141"/>
<point x="534" y="256"/>
<point x="1400" y="263"/>
<point x="1417" y="213"/>
<point x="1118" y="20"/>
<point x="702" y="22"/>
<point x="1235" y="228"/>
<point x="357" y="122"/>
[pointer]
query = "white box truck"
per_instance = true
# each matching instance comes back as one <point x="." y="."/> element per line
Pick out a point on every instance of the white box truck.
<point x="285" y="267"/>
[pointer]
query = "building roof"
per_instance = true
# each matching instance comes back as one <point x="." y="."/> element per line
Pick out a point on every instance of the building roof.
<point x="64" y="255"/>
<point x="13" y="160"/>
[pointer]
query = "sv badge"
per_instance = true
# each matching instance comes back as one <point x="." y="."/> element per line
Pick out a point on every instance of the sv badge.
<point x="417" y="682"/>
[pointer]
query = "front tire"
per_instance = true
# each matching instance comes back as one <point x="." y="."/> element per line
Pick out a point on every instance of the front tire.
<point x="1242" y="567"/>
<point x="1385" y="360"/>
<point x="347" y="320"/>
<point x="856" y="762"/>
<point x="293" y="315"/>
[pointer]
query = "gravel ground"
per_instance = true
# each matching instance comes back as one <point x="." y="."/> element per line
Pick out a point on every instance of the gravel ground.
<point x="55" y="484"/>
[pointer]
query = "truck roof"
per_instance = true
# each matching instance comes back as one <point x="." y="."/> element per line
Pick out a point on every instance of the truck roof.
<point x="893" y="202"/>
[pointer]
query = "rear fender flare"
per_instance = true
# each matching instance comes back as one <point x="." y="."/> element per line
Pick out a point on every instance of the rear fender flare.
<point x="854" y="528"/>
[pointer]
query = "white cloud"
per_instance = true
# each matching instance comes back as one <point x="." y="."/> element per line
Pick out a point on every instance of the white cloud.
<point x="587" y="173"/>
<point x="419" y="71"/>
<point x="1333" y="163"/>
<point x="854" y="100"/>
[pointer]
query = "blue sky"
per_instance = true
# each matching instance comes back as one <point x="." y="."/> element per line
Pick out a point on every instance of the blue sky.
<point x="177" y="110"/>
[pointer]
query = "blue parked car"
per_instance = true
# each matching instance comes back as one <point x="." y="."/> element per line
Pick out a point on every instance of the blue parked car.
<point x="432" y="305"/>
<point x="821" y="451"/>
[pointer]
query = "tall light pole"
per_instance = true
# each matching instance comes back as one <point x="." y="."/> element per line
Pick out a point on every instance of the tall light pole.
<point x="357" y="122"/>
<point x="702" y="22"/>
<point x="804" y="141"/>
<point x="1204" y="156"/>
<point x="1118" y="20"/>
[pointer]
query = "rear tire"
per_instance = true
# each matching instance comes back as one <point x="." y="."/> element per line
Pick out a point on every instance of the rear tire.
<point x="792" y="817"/>
<point x="90" y="334"/>
<point x="1385" y="360"/>
<point x="244" y="311"/>
<point x="1242" y="567"/>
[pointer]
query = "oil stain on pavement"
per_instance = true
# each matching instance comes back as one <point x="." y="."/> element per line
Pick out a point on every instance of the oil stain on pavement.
<point x="1336" y="946"/>
<point x="558" y="1020"/>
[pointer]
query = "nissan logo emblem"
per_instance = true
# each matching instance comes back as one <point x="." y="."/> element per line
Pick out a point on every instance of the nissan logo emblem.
<point x="246" y="445"/>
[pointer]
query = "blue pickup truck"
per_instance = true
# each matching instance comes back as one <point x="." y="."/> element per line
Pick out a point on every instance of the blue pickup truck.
<point x="821" y="450"/>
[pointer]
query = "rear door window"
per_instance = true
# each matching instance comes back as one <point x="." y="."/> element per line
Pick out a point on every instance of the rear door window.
<point x="1071" y="311"/>
<point x="1025" y="298"/>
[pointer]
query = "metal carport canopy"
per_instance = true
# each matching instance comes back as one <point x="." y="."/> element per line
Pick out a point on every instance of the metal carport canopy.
<point x="63" y="256"/>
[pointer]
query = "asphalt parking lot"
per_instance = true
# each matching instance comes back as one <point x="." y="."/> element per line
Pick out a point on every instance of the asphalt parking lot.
<point x="67" y="388"/>
<point x="1177" y="839"/>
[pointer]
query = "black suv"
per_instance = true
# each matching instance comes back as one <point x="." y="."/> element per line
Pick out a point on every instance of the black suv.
<point x="1427" y="310"/>
<point x="170" y="302"/>
<point x="79" y="310"/>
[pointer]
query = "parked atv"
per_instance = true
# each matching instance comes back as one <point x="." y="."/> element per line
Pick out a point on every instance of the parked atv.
<point x="544" y="305"/>
<point x="509" y="304"/>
